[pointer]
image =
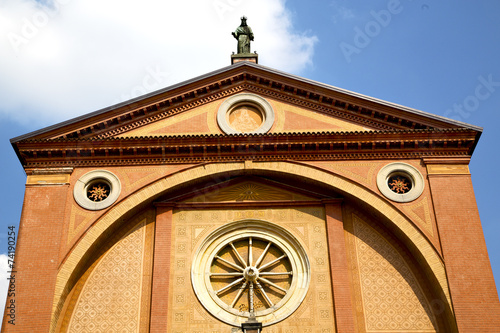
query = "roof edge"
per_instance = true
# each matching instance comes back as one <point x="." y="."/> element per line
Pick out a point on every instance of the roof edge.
<point x="232" y="67"/>
<point x="369" y="98"/>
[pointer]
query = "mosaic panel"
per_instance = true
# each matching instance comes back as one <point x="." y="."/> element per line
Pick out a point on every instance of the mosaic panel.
<point x="393" y="301"/>
<point x="315" y="314"/>
<point x="111" y="298"/>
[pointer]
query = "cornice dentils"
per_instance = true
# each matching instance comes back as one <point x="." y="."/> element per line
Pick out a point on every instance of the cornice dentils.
<point x="209" y="148"/>
<point x="287" y="134"/>
<point x="168" y="113"/>
<point x="146" y="110"/>
<point x="326" y="109"/>
<point x="206" y="159"/>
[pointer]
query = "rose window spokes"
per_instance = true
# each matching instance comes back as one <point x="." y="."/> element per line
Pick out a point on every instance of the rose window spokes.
<point x="251" y="275"/>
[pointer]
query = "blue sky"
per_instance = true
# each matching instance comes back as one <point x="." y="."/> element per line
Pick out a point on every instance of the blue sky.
<point x="64" y="58"/>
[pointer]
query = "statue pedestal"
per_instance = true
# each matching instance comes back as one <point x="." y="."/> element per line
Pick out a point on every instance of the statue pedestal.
<point x="251" y="326"/>
<point x="252" y="57"/>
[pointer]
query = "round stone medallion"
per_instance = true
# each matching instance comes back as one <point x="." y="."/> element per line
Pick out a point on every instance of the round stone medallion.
<point x="245" y="118"/>
<point x="400" y="182"/>
<point x="97" y="189"/>
<point x="245" y="113"/>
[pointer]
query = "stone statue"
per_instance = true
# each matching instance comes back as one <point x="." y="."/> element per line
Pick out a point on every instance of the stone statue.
<point x="244" y="35"/>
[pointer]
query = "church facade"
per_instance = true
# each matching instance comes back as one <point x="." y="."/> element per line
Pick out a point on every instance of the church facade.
<point x="251" y="199"/>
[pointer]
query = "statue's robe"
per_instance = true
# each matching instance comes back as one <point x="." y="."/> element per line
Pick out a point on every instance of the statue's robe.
<point x="244" y="36"/>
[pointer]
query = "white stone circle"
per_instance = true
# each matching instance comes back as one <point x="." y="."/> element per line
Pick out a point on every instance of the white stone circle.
<point x="256" y="101"/>
<point x="82" y="184"/>
<point x="403" y="169"/>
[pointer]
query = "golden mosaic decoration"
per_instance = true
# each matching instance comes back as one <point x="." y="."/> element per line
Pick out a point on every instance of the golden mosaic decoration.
<point x="399" y="184"/>
<point x="98" y="193"/>
<point x="245" y="118"/>
<point x="101" y="308"/>
<point x="391" y="295"/>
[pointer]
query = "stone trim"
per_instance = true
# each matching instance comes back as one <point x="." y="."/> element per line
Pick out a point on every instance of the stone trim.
<point x="260" y="103"/>
<point x="406" y="170"/>
<point x="80" y="190"/>
<point x="447" y="169"/>
<point x="50" y="171"/>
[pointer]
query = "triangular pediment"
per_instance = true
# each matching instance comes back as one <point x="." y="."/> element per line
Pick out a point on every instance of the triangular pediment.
<point x="188" y="108"/>
<point x="201" y="120"/>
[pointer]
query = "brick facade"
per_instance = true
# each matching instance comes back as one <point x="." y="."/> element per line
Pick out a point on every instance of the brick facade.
<point x="37" y="258"/>
<point x="315" y="174"/>
<point x="470" y="277"/>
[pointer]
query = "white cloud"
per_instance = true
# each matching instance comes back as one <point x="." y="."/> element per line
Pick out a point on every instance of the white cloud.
<point x="341" y="13"/>
<point x="4" y="283"/>
<point x="73" y="56"/>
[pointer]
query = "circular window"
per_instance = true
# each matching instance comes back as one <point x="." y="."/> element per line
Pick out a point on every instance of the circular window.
<point x="400" y="182"/>
<point x="250" y="268"/>
<point x="97" y="190"/>
<point x="245" y="113"/>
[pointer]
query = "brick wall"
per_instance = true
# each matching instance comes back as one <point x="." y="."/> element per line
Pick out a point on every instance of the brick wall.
<point x="37" y="257"/>
<point x="472" y="287"/>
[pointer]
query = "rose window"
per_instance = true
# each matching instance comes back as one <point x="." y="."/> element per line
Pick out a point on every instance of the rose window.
<point x="250" y="268"/>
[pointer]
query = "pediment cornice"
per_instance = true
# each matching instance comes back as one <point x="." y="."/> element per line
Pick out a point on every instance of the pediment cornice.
<point x="319" y="146"/>
<point x="367" y="111"/>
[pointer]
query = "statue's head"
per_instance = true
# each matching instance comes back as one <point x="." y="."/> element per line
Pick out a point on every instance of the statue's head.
<point x="244" y="21"/>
